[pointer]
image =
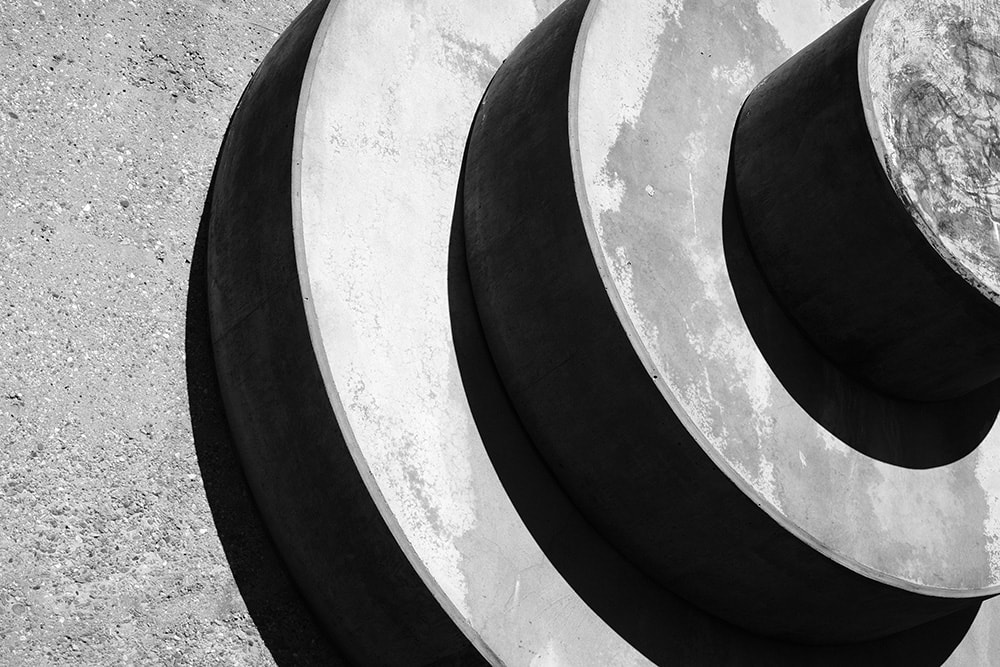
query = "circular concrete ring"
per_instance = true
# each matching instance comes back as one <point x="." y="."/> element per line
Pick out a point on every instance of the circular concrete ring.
<point x="619" y="339"/>
<point x="358" y="444"/>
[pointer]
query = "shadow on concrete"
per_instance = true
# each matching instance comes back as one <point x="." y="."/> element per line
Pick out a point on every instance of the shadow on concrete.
<point x="288" y="628"/>
<point x="911" y="434"/>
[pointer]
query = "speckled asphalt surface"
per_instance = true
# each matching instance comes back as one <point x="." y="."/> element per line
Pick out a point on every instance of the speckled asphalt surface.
<point x="127" y="535"/>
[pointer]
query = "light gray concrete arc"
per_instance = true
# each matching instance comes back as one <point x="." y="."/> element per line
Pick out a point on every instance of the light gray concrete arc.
<point x="327" y="502"/>
<point x="624" y="457"/>
<point x="382" y="125"/>
<point x="380" y="201"/>
<point x="516" y="185"/>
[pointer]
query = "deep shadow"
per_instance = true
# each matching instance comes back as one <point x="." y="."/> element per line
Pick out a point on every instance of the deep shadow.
<point x="910" y="434"/>
<point x="287" y="626"/>
<point x="366" y="595"/>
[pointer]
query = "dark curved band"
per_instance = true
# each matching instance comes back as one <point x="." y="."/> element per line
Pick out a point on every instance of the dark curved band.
<point x="314" y="502"/>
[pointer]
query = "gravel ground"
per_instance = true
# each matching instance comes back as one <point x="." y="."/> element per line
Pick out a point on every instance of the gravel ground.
<point x="120" y="496"/>
<point x="127" y="533"/>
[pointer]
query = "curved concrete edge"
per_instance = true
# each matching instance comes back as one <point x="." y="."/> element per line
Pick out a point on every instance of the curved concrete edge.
<point x="649" y="287"/>
<point x="659" y="624"/>
<point x="375" y="494"/>
<point x="622" y="455"/>
<point x="312" y="497"/>
<point x="846" y="257"/>
<point x="824" y="114"/>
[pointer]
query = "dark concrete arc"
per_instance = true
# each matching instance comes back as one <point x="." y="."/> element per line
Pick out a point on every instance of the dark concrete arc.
<point x="290" y="630"/>
<point x="912" y="434"/>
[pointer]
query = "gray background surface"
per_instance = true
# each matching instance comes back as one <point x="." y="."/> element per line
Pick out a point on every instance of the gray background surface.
<point x="111" y="115"/>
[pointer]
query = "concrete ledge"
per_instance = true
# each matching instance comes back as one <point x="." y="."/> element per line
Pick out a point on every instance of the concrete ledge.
<point x="303" y="477"/>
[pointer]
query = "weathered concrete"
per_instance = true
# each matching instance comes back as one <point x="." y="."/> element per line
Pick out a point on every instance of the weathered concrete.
<point x="843" y="253"/>
<point x="376" y="162"/>
<point x="657" y="240"/>
<point x="929" y="78"/>
<point x="383" y="124"/>
<point x="518" y="185"/>
<point x="347" y="561"/>
<point x="630" y="465"/>
<point x="127" y="533"/>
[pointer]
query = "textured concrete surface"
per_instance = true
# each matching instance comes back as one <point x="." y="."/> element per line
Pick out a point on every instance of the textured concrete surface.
<point x="654" y="179"/>
<point x="382" y="136"/>
<point x="845" y="256"/>
<point x="303" y="477"/>
<point x="111" y="114"/>
<point x="630" y="465"/>
<point x="127" y="535"/>
<point x="379" y="303"/>
<point x="931" y="73"/>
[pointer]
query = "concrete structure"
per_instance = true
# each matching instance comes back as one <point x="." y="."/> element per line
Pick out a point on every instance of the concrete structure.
<point x="376" y="417"/>
<point x="128" y="534"/>
<point x="673" y="344"/>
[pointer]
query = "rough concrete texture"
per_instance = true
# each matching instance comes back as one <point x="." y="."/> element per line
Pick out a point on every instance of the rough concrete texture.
<point x="934" y="112"/>
<point x="127" y="535"/>
<point x="111" y="115"/>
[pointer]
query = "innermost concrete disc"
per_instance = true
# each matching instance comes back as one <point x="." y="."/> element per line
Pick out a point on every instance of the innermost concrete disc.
<point x="930" y="77"/>
<point x="653" y="125"/>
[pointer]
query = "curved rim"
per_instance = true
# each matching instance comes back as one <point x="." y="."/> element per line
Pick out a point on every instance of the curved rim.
<point x="881" y="150"/>
<point x="632" y="332"/>
<point x="319" y="349"/>
<point x="624" y="652"/>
